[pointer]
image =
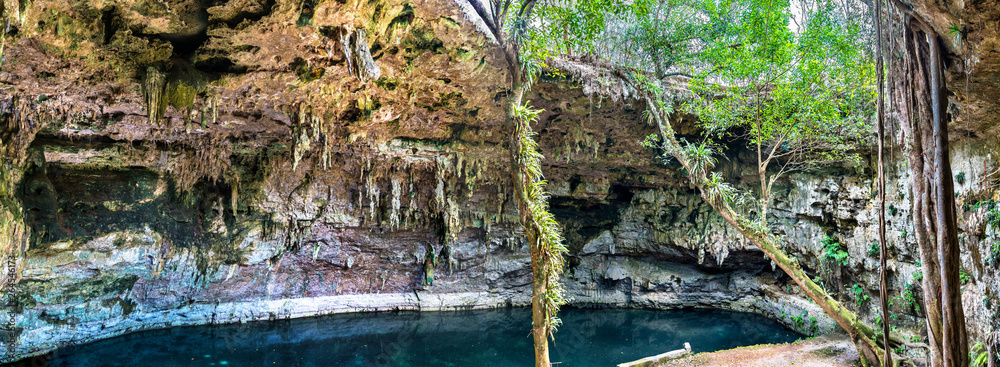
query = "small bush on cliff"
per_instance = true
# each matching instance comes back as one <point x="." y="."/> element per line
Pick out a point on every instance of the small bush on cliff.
<point x="834" y="251"/>
<point x="859" y="294"/>
<point x="874" y="249"/>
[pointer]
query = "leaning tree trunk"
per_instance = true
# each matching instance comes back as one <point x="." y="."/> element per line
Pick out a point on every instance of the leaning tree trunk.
<point x="863" y="335"/>
<point x="919" y="94"/>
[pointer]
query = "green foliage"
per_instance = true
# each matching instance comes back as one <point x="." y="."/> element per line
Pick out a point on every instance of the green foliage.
<point x="994" y="257"/>
<point x="960" y="178"/>
<point x="551" y="246"/>
<point x="907" y="297"/>
<point x="719" y="190"/>
<point x="963" y="277"/>
<point x="978" y="355"/>
<point x="700" y="158"/>
<point x="834" y="251"/>
<point x="799" y="320"/>
<point x="874" y="249"/>
<point x="918" y="276"/>
<point x="993" y="215"/>
<point x="989" y="204"/>
<point x="525" y="113"/>
<point x="892" y="210"/>
<point x="802" y="98"/>
<point x="955" y="32"/>
<point x="859" y="294"/>
<point x="819" y="282"/>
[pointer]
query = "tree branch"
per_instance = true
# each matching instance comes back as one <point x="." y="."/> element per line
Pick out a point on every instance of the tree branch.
<point x="485" y="16"/>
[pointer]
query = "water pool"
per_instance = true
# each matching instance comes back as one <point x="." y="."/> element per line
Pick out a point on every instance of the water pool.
<point x="501" y="337"/>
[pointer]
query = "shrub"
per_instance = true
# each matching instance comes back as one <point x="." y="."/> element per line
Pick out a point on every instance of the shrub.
<point x="859" y="294"/>
<point x="834" y="251"/>
<point x="964" y="277"/>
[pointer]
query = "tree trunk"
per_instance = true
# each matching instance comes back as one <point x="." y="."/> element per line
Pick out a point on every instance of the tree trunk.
<point x="954" y="340"/>
<point x="910" y="94"/>
<point x="919" y="97"/>
<point x="540" y="228"/>
<point x="521" y="180"/>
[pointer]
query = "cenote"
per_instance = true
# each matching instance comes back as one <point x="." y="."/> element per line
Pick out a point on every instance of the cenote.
<point x="499" y="337"/>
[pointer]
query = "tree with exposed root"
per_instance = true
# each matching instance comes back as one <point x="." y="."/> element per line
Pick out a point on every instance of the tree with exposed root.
<point x="918" y="94"/>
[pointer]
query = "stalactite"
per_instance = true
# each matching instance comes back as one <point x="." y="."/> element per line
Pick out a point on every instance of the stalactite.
<point x="397" y="193"/>
<point x="235" y="194"/>
<point x="153" y="89"/>
<point x="411" y="209"/>
<point x="214" y="106"/>
<point x="454" y="219"/>
<point x="472" y="175"/>
<point x="373" y="197"/>
<point x="367" y="70"/>
<point x="361" y="184"/>
<point x="439" y="194"/>
<point x="317" y="126"/>
<point x="300" y="147"/>
<point x="345" y="46"/>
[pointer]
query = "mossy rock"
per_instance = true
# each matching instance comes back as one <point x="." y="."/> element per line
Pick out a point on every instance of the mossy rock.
<point x="387" y="83"/>
<point x="130" y="54"/>
<point x="102" y="285"/>
<point x="305" y="72"/>
<point x="422" y="38"/>
<point x="184" y="84"/>
<point x="151" y="8"/>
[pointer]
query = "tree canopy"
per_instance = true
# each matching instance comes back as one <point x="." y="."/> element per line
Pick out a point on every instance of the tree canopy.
<point x="797" y="88"/>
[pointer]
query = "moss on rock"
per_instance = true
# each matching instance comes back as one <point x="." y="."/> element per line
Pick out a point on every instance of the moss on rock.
<point x="131" y="54"/>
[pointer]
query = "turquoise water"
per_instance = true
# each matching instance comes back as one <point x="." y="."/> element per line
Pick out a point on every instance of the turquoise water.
<point x="588" y="337"/>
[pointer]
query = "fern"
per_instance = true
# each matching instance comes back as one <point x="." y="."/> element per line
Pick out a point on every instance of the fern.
<point x="978" y="355"/>
<point x="834" y="251"/>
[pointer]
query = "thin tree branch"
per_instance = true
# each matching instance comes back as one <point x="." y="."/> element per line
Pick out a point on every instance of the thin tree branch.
<point x="486" y="18"/>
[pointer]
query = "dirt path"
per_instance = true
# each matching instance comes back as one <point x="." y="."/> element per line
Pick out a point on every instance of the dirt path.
<point x="823" y="351"/>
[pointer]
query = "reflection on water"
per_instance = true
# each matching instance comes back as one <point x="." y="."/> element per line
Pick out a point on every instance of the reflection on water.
<point x="468" y="338"/>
